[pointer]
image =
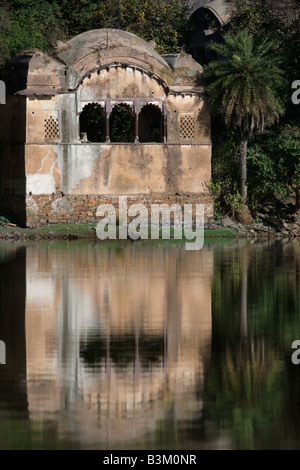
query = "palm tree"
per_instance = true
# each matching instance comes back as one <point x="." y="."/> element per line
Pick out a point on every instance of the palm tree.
<point x="244" y="87"/>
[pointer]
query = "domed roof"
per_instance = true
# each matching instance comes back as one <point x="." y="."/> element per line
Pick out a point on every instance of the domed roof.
<point x="186" y="70"/>
<point x="33" y="72"/>
<point x="100" y="47"/>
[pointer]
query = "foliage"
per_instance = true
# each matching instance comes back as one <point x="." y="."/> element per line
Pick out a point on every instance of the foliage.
<point x="4" y="28"/>
<point x="276" y="16"/>
<point x="273" y="162"/>
<point x="31" y="24"/>
<point x="280" y="20"/>
<point x="39" y="24"/>
<point x="224" y="168"/>
<point x="226" y="199"/>
<point x="77" y="15"/>
<point x="245" y="85"/>
<point x="274" y="158"/>
<point x="163" y="22"/>
<point x="4" y="220"/>
<point x="92" y="121"/>
<point x="122" y="124"/>
<point x="275" y="25"/>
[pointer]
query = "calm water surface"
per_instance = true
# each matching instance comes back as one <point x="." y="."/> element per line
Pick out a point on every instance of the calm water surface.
<point x="148" y="346"/>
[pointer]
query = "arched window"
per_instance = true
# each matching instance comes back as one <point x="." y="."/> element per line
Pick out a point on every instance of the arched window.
<point x="121" y="124"/>
<point x="150" y="124"/>
<point x="92" y="123"/>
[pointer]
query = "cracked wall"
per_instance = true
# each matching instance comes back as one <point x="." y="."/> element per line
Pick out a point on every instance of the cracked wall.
<point x="44" y="159"/>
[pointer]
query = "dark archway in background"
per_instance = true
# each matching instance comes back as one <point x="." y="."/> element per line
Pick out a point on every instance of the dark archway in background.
<point x="150" y="124"/>
<point x="206" y="26"/>
<point x="122" y="124"/>
<point x="92" y="122"/>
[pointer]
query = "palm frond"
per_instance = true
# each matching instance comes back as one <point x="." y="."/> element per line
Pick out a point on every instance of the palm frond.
<point x="245" y="81"/>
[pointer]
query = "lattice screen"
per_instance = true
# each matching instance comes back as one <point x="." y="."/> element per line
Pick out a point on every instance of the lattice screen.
<point x="51" y="128"/>
<point x="187" y="126"/>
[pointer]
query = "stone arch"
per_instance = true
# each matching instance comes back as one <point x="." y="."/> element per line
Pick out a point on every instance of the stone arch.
<point x="122" y="124"/>
<point x="164" y="89"/>
<point x="92" y="123"/>
<point x="150" y="124"/>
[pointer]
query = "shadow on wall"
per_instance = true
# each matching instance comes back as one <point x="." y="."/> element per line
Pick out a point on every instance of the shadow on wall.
<point x="12" y="161"/>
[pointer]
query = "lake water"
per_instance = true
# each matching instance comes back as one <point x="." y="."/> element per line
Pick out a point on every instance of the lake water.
<point x="144" y="345"/>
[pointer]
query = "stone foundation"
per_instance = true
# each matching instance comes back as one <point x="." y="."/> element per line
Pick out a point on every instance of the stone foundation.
<point x="53" y="209"/>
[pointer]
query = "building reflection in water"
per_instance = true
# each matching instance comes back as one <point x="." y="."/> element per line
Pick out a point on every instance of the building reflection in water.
<point x="117" y="346"/>
<point x="12" y="328"/>
<point x="117" y="338"/>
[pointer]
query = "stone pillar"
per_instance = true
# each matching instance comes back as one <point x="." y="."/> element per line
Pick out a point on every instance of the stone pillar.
<point x="164" y="108"/>
<point x="137" y="110"/>
<point x="108" y="110"/>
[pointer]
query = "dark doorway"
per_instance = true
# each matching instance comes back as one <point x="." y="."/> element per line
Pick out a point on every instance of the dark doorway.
<point x="92" y="123"/>
<point x="121" y="124"/>
<point x="150" y="124"/>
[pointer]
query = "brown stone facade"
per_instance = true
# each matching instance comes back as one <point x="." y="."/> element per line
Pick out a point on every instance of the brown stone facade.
<point x="51" y="209"/>
<point x="105" y="116"/>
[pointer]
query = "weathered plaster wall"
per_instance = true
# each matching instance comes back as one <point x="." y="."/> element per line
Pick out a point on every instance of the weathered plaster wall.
<point x="111" y="169"/>
<point x="64" y="164"/>
<point x="52" y="162"/>
<point x="197" y="108"/>
<point x="62" y="108"/>
<point x="118" y="83"/>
